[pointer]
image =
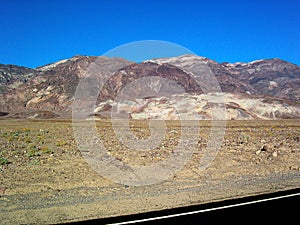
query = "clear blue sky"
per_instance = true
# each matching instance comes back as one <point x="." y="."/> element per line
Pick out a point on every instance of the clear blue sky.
<point x="34" y="33"/>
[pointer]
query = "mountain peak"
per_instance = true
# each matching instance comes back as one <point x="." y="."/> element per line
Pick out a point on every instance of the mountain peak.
<point x="181" y="60"/>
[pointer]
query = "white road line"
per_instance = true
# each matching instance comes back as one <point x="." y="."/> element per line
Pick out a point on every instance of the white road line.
<point x="205" y="210"/>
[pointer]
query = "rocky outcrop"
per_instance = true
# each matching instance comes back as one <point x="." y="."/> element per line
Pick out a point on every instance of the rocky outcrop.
<point x="273" y="77"/>
<point x="200" y="107"/>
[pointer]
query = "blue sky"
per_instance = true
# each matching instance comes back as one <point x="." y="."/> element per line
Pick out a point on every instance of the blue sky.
<point x="34" y="33"/>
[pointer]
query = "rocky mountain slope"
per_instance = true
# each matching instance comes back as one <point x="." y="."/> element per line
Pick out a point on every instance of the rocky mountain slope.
<point x="13" y="76"/>
<point x="157" y="88"/>
<point x="51" y="88"/>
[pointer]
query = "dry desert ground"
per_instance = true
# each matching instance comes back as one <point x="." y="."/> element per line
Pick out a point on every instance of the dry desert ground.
<point x="45" y="179"/>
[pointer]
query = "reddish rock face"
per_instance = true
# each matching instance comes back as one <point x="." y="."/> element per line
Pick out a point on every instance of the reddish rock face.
<point x="172" y="77"/>
<point x="52" y="87"/>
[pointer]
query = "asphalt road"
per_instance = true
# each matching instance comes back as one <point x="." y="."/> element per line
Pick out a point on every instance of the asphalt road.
<point x="276" y="208"/>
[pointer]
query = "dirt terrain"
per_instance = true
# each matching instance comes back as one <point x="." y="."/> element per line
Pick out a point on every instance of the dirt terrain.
<point x="45" y="179"/>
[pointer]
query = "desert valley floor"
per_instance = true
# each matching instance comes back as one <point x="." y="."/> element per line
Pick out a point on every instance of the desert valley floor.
<point x="45" y="179"/>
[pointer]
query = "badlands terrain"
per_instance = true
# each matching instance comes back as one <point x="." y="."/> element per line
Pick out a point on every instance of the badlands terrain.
<point x="44" y="174"/>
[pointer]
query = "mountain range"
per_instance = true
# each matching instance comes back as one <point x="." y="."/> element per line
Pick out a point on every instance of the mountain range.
<point x="186" y="86"/>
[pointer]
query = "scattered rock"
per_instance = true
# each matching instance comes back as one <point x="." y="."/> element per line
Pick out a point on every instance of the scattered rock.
<point x="2" y="190"/>
<point x="294" y="167"/>
<point x="258" y="152"/>
<point x="275" y="154"/>
<point x="296" y="138"/>
<point x="278" y="145"/>
<point x="3" y="113"/>
<point x="264" y="148"/>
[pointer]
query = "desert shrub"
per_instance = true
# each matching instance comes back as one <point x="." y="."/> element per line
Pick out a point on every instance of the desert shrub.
<point x="46" y="150"/>
<point x="35" y="162"/>
<point x="32" y="150"/>
<point x="61" y="143"/>
<point x="41" y="131"/>
<point x="16" y="134"/>
<point x="3" y="161"/>
<point x="28" y="140"/>
<point x="9" y="138"/>
<point x="243" y="139"/>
